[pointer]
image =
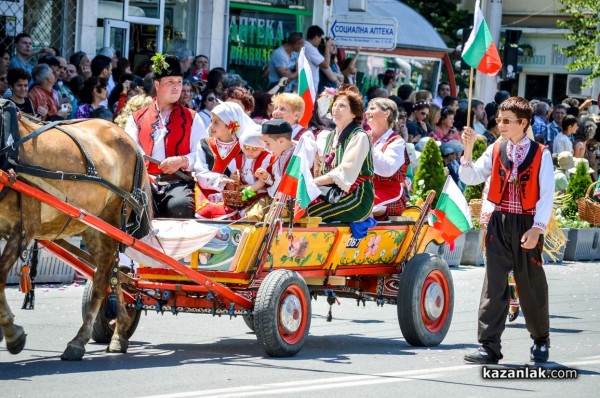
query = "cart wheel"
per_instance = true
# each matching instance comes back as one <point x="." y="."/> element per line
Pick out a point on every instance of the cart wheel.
<point x="282" y="313"/>
<point x="249" y="321"/>
<point x="425" y="300"/>
<point x="103" y="328"/>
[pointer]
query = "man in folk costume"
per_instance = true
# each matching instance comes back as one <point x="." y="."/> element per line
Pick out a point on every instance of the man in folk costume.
<point x="522" y="191"/>
<point x="169" y="133"/>
<point x="219" y="158"/>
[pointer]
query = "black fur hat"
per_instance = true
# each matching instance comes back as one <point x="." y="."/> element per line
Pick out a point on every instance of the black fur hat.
<point x="166" y="65"/>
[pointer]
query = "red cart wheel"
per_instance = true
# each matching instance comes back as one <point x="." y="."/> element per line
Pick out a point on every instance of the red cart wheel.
<point x="282" y="313"/>
<point x="425" y="300"/>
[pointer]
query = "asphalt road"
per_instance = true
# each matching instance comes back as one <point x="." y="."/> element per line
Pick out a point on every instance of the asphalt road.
<point x="360" y="354"/>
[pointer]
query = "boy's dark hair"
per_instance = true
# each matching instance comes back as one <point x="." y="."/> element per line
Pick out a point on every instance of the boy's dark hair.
<point x="448" y="100"/>
<point x="313" y="32"/>
<point x="567" y="122"/>
<point x="520" y="107"/>
<point x="99" y="63"/>
<point x="20" y="36"/>
<point x="17" y="74"/>
<point x="404" y="91"/>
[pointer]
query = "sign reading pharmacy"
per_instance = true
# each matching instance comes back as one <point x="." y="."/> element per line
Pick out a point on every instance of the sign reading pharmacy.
<point x="364" y="32"/>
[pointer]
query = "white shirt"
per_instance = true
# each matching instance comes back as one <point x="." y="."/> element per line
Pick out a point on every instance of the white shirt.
<point x="438" y="101"/>
<point x="314" y="58"/>
<point x="247" y="171"/>
<point x="158" y="150"/>
<point x="478" y="127"/>
<point x="562" y="143"/>
<point x="388" y="162"/>
<point x="476" y="173"/>
<point x="207" y="178"/>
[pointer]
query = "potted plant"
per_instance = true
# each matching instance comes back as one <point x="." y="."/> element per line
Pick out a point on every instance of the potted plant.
<point x="584" y="242"/>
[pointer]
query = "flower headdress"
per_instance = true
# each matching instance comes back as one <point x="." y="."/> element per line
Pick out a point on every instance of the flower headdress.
<point x="159" y="63"/>
<point x="234" y="126"/>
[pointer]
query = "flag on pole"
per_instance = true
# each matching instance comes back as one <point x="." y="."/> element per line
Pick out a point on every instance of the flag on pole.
<point x="306" y="89"/>
<point x="452" y="216"/>
<point x="297" y="181"/>
<point x="480" y="51"/>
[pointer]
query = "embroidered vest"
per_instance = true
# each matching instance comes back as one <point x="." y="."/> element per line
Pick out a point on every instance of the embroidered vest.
<point x="179" y="131"/>
<point x="215" y="162"/>
<point x="239" y="161"/>
<point x="400" y="174"/>
<point x="527" y="175"/>
<point x="366" y="169"/>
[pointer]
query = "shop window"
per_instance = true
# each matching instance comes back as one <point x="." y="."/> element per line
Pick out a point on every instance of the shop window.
<point x="536" y="86"/>
<point x="180" y="26"/>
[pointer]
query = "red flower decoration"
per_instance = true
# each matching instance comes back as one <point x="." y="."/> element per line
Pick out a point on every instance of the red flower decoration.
<point x="234" y="126"/>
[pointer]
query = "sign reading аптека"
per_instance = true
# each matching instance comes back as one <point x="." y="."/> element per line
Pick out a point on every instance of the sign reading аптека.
<point x="361" y="32"/>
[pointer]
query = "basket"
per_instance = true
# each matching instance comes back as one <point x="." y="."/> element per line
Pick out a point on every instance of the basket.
<point x="588" y="209"/>
<point x="233" y="198"/>
<point x="475" y="207"/>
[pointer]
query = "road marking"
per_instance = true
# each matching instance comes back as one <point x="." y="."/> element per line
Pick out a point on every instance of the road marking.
<point x="338" y="382"/>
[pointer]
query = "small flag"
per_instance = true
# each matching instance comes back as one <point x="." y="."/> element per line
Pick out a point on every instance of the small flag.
<point x="306" y="89"/>
<point x="452" y="214"/>
<point x="480" y="51"/>
<point x="297" y="181"/>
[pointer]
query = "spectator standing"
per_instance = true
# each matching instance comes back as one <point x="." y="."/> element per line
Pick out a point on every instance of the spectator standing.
<point x="185" y="58"/>
<point x="18" y="80"/>
<point x="442" y="92"/>
<point x="64" y="92"/>
<point x="44" y="99"/>
<point x="540" y="124"/>
<point x="480" y="117"/>
<point x="114" y="61"/>
<point x="23" y="48"/>
<point x="185" y="98"/>
<point x="201" y="63"/>
<point x="562" y="141"/>
<point x="389" y="80"/>
<point x="3" y="82"/>
<point x="417" y="126"/>
<point x="314" y="36"/>
<point x="4" y="59"/>
<point x="207" y="104"/>
<point x="92" y="95"/>
<point x="102" y="69"/>
<point x="555" y="127"/>
<point x="450" y="102"/>
<point x="585" y="146"/>
<point x="82" y="64"/>
<point x="284" y="62"/>
<point x="349" y="69"/>
<point x="71" y="72"/>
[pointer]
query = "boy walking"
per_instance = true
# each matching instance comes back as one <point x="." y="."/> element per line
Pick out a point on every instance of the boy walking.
<point x="522" y="191"/>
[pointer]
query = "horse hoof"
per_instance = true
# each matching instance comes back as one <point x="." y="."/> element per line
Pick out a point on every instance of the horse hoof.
<point x="17" y="345"/>
<point x="117" y="346"/>
<point x="1" y="335"/>
<point x="73" y="353"/>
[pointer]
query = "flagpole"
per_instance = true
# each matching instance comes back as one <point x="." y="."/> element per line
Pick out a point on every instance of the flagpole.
<point x="470" y="97"/>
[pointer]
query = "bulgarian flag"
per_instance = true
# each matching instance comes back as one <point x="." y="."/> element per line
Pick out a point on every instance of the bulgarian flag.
<point x="306" y="89"/>
<point x="297" y="181"/>
<point x="451" y="215"/>
<point x="480" y="51"/>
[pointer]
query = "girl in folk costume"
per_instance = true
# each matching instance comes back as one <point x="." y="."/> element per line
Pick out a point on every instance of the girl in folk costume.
<point x="347" y="168"/>
<point x="255" y="157"/>
<point x="218" y="158"/>
<point x="289" y="107"/>
<point x="390" y="159"/>
<point x="522" y="191"/>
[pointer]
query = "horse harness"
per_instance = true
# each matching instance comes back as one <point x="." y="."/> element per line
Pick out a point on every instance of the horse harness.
<point x="136" y="198"/>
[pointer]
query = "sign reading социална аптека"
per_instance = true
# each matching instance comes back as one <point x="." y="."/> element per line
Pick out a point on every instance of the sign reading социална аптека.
<point x="351" y="31"/>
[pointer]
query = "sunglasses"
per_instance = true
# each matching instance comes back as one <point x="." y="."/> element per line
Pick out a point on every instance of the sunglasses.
<point x="424" y="113"/>
<point x="211" y="99"/>
<point x="507" y="120"/>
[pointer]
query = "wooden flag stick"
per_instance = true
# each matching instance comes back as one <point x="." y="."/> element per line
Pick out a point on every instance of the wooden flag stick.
<point x="470" y="98"/>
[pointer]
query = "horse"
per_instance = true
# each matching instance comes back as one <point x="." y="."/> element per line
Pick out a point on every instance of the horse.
<point x="22" y="219"/>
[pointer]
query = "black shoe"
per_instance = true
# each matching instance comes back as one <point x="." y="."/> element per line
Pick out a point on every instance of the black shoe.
<point x="540" y="352"/>
<point x="481" y="356"/>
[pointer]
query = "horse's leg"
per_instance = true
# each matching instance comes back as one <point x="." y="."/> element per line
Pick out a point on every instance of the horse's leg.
<point x="119" y="341"/>
<point x="102" y="248"/>
<point x="15" y="335"/>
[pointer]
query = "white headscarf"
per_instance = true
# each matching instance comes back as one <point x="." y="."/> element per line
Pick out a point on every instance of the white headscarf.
<point x="232" y="112"/>
<point x="253" y="137"/>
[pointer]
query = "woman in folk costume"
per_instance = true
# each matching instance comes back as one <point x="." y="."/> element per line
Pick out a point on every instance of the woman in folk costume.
<point x="390" y="158"/>
<point x="289" y="107"/>
<point x="218" y="158"/>
<point x="347" y="178"/>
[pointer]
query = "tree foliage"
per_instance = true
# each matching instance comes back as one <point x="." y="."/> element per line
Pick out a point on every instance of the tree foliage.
<point x="431" y="170"/>
<point x="583" y="32"/>
<point x="476" y="191"/>
<point x="444" y="16"/>
<point x="578" y="185"/>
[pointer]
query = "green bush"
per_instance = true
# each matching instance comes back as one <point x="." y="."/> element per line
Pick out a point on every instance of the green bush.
<point x="578" y="185"/>
<point x="476" y="191"/>
<point x="431" y="171"/>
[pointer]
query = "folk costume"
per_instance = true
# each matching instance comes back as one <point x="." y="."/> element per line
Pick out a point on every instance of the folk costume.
<point x="349" y="161"/>
<point x="522" y="191"/>
<point x="218" y="160"/>
<point x="390" y="162"/>
<point x="162" y="137"/>
<point x="277" y="167"/>
<point x="298" y="131"/>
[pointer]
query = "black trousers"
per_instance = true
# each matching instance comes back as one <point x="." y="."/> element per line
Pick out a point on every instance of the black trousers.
<point x="175" y="200"/>
<point x="504" y="254"/>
